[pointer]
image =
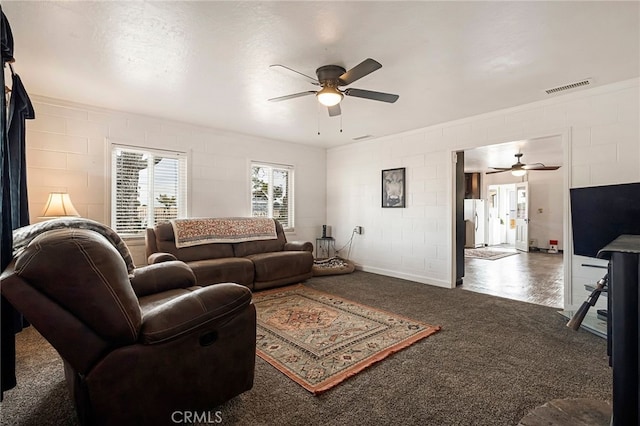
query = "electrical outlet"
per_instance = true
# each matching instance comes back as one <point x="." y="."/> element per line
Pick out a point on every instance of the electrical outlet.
<point x="359" y="230"/>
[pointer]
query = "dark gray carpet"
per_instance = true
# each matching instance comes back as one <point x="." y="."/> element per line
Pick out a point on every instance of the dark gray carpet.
<point x="493" y="361"/>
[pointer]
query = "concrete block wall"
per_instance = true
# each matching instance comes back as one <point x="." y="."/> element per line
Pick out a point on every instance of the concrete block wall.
<point x="600" y="132"/>
<point x="68" y="149"/>
<point x="411" y="242"/>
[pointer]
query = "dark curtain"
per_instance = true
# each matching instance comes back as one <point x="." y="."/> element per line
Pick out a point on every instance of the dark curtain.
<point x="20" y="109"/>
<point x="15" y="208"/>
<point x="6" y="236"/>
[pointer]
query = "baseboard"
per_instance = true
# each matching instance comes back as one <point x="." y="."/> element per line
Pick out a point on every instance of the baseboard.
<point x="402" y="275"/>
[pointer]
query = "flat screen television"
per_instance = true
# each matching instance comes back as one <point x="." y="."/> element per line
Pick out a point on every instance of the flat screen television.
<point x="599" y="214"/>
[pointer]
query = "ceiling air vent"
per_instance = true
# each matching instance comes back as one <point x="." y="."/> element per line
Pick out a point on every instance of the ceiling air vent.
<point x="363" y="137"/>
<point x="569" y="86"/>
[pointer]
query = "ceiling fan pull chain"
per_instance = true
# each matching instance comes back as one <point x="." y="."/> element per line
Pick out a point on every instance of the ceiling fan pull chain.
<point x="340" y="123"/>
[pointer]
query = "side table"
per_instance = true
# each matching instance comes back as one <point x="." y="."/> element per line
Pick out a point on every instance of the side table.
<point x="324" y="246"/>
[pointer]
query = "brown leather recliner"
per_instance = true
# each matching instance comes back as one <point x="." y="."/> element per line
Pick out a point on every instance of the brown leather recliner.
<point x="137" y="347"/>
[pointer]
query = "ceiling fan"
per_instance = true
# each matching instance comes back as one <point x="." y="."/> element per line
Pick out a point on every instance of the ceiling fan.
<point x="330" y="78"/>
<point x="520" y="169"/>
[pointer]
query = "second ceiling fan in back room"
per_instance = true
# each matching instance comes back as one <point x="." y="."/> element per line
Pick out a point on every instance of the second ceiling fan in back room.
<point x="520" y="169"/>
<point x="330" y="78"/>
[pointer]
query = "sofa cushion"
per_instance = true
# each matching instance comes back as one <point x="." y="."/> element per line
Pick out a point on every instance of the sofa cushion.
<point x="200" y="308"/>
<point x="262" y="246"/>
<point x="230" y="269"/>
<point x="152" y="301"/>
<point x="277" y="265"/>
<point x="256" y="247"/>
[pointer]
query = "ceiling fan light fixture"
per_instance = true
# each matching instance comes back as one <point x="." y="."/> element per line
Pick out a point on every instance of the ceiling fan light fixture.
<point x="518" y="172"/>
<point x="329" y="96"/>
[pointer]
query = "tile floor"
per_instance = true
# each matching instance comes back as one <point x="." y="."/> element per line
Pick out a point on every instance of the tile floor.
<point x="535" y="277"/>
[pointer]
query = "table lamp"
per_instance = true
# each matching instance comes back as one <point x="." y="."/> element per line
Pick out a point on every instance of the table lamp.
<point x="59" y="205"/>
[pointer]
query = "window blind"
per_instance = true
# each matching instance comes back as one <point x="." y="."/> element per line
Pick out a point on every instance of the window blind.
<point x="148" y="186"/>
<point x="272" y="192"/>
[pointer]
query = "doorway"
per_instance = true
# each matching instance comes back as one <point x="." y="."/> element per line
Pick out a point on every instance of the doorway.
<point x="533" y="274"/>
<point x="501" y="208"/>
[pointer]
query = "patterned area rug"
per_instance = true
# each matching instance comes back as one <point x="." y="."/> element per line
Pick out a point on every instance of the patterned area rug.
<point x="487" y="253"/>
<point x="318" y="340"/>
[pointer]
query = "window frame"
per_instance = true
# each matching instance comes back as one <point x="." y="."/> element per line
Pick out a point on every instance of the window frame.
<point x="290" y="169"/>
<point x="182" y="196"/>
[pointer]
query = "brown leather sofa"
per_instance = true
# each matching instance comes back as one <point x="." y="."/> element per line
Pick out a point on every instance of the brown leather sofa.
<point x="138" y="346"/>
<point x="255" y="264"/>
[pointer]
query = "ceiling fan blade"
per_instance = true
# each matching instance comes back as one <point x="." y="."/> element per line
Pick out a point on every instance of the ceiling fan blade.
<point x="364" y="68"/>
<point x="295" y="95"/>
<point x="294" y="73"/>
<point x="539" y="166"/>
<point x="368" y="94"/>
<point x="542" y="168"/>
<point x="497" y="171"/>
<point x="334" y="110"/>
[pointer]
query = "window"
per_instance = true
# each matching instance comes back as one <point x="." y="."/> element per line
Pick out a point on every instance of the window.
<point x="148" y="186"/>
<point x="272" y="192"/>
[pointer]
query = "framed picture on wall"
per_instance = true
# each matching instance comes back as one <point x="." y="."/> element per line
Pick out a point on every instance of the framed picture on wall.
<point x="393" y="188"/>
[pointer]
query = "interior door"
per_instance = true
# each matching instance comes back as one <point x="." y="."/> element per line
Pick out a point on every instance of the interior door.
<point x="493" y="222"/>
<point x="480" y="221"/>
<point x="522" y="216"/>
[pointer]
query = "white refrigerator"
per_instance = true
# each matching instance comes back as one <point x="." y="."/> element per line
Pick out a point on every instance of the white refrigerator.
<point x="474" y="220"/>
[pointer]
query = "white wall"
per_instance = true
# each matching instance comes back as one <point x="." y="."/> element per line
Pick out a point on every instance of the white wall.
<point x="68" y="150"/>
<point x="412" y="242"/>
<point x="599" y="127"/>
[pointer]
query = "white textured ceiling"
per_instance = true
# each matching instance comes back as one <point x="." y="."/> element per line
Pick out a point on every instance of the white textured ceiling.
<point x="207" y="63"/>
<point x="547" y="151"/>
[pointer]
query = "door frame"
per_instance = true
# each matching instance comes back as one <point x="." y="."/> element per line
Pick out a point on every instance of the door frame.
<point x="566" y="143"/>
<point x="522" y="223"/>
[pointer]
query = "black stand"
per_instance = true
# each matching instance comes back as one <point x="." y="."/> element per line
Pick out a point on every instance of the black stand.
<point x="623" y="326"/>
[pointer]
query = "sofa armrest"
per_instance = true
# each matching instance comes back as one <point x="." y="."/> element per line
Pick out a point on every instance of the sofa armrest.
<point x="161" y="277"/>
<point x="206" y="306"/>
<point x="298" y="246"/>
<point x="160" y="257"/>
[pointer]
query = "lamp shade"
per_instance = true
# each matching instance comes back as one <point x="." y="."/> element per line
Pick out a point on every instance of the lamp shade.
<point x="58" y="205"/>
<point x="518" y="172"/>
<point x="329" y="96"/>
